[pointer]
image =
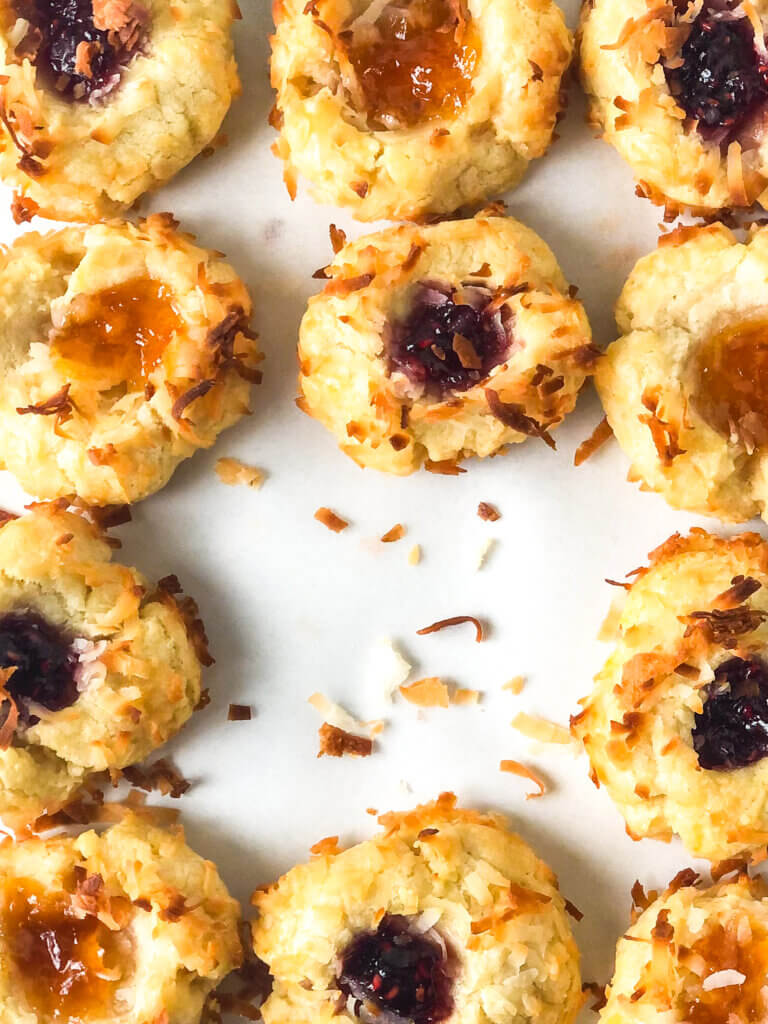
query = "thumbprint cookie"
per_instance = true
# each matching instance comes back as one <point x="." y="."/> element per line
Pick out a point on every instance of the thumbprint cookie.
<point x="681" y="90"/>
<point x="123" y="349"/>
<point x="98" y="666"/>
<point x="685" y="387"/>
<point x="693" y="953"/>
<point x="102" y="100"/>
<point x="444" y="916"/>
<point x="403" y="109"/>
<point x="128" y="925"/>
<point x="428" y="345"/>
<point x="676" y="727"/>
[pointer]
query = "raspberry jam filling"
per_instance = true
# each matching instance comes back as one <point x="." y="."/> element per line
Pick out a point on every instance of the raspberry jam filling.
<point x="449" y="340"/>
<point x="67" y="967"/>
<point x="117" y="335"/>
<point x="397" y="976"/>
<point x="80" y="47"/>
<point x="732" y="729"/>
<point x="415" y="62"/>
<point x="43" y="660"/>
<point x="723" y="78"/>
<point x="731" y="392"/>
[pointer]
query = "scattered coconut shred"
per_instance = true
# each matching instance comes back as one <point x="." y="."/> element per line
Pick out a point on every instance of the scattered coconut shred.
<point x="723" y="979"/>
<point x="541" y="729"/>
<point x="432" y="692"/>
<point x="387" y="669"/>
<point x="515" y="685"/>
<point x="516" y="768"/>
<point x="414" y="555"/>
<point x="342" y="734"/>
<point x="233" y="472"/>
<point x="331" y="520"/>
<point x="484" y="551"/>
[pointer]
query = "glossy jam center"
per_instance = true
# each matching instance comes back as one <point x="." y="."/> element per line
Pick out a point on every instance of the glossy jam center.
<point x="732" y="729"/>
<point x="43" y="660"/>
<point x="732" y="387"/>
<point x="723" y="79"/>
<point x="400" y="975"/>
<point x="76" y="58"/>
<point x="68" y="969"/>
<point x="722" y="952"/>
<point x="414" y="63"/>
<point x="117" y="335"/>
<point x="449" y="340"/>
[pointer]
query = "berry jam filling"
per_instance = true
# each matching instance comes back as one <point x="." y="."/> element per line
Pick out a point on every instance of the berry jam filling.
<point x="397" y="975"/>
<point x="80" y="46"/>
<point x="449" y="341"/>
<point x="732" y="729"/>
<point x="723" y="79"/>
<point x="415" y="62"/>
<point x="44" y="663"/>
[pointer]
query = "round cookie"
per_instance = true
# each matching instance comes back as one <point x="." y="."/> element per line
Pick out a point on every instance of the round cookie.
<point x="694" y="954"/>
<point x="104" y="99"/>
<point x="676" y="727"/>
<point x="98" y="666"/>
<point x="130" y="925"/>
<point x="123" y="349"/>
<point x="685" y="387"/>
<point x="445" y="916"/>
<point x="398" y="110"/>
<point x="681" y="91"/>
<point x="429" y="345"/>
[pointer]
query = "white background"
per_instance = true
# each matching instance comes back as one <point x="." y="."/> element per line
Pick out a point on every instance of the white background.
<point x="292" y="608"/>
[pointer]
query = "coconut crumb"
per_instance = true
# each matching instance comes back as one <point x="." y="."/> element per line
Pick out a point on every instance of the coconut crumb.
<point x="396" y="533"/>
<point x="414" y="555"/>
<point x="515" y="685"/>
<point x="234" y="472"/>
<point x="430" y="692"/>
<point x="485" y="549"/>
<point x="541" y="729"/>
<point x="516" y="768"/>
<point x="487" y="512"/>
<point x="463" y="697"/>
<point x="387" y="669"/>
<point x="336" y="742"/>
<point x="331" y="520"/>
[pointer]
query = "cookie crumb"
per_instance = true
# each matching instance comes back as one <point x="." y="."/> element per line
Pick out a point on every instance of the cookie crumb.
<point x="487" y="512"/>
<point x="233" y="471"/>
<point x="327" y="847"/>
<point x="335" y="742"/>
<point x="239" y="713"/>
<point x="331" y="520"/>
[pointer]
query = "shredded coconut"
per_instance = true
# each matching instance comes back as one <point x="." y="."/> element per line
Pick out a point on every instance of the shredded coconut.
<point x="722" y="979"/>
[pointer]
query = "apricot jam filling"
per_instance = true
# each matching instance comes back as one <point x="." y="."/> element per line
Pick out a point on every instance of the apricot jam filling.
<point x="414" y="63"/>
<point x="721" y="950"/>
<point x="69" y="969"/>
<point x="731" y="392"/>
<point x="117" y="335"/>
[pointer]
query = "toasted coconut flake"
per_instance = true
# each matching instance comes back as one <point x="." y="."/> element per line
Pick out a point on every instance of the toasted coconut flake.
<point x="514" y="416"/>
<point x="162" y="776"/>
<point x="455" y="620"/>
<point x="737" y="188"/>
<point x="487" y="512"/>
<point x="483" y="552"/>
<point x="387" y="669"/>
<point x="336" y="715"/>
<point x="233" y="471"/>
<point x="598" y="991"/>
<point x="573" y="910"/>
<point x="331" y="520"/>
<point x="723" y="979"/>
<point x="603" y="432"/>
<point x="239" y="713"/>
<point x="336" y="742"/>
<point x="414" y="555"/>
<point x="541" y="729"/>
<point x="463" y="697"/>
<point x="515" y="685"/>
<point x="338" y="238"/>
<point x="59" y="405"/>
<point x="516" y="768"/>
<point x="446" y="467"/>
<point x="394" y="534"/>
<point x="8" y="710"/>
<point x="430" y="692"/>
<point x="329" y="846"/>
